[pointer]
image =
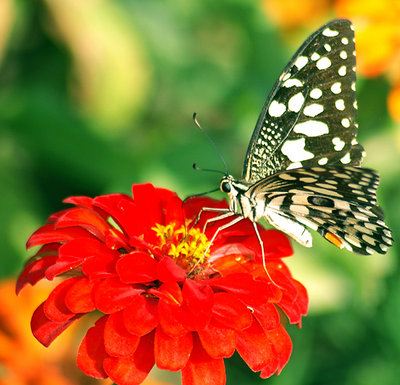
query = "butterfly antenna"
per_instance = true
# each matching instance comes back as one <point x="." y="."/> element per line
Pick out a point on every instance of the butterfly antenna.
<point x="207" y="169"/>
<point x="200" y="194"/>
<point x="211" y="141"/>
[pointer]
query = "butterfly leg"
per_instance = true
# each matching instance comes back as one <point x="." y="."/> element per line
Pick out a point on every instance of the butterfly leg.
<point x="263" y="254"/>
<point x="209" y="209"/>
<point x="217" y="218"/>
<point x="223" y="227"/>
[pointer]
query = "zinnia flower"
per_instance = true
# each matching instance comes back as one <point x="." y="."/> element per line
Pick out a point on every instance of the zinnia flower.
<point x="163" y="296"/>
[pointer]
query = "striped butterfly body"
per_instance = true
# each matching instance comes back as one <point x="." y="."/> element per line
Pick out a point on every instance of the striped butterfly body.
<point x="301" y="167"/>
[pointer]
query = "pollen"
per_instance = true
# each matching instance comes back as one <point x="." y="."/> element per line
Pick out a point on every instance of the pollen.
<point x="188" y="247"/>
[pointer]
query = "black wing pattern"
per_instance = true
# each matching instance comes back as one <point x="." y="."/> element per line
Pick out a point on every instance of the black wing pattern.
<point x="308" y="118"/>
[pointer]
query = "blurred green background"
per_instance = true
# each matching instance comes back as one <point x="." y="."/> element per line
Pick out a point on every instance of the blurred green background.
<point x="97" y="95"/>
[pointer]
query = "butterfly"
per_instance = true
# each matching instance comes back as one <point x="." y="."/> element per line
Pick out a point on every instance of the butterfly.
<point x="301" y="170"/>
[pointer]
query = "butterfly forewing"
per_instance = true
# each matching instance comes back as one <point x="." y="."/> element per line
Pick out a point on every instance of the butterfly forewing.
<point x="338" y="202"/>
<point x="309" y="116"/>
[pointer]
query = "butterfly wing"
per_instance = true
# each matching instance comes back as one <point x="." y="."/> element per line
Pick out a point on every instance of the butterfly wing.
<point x="308" y="118"/>
<point x="337" y="202"/>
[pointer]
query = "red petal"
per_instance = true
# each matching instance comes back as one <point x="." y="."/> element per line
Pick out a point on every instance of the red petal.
<point x="254" y="347"/>
<point x="202" y="369"/>
<point x="198" y="301"/>
<point x="173" y="207"/>
<point x="267" y="315"/>
<point x="170" y="292"/>
<point x="125" y="213"/>
<point x="231" y="312"/>
<point x="302" y="297"/>
<point x="172" y="353"/>
<point x="292" y="311"/>
<point x="34" y="272"/>
<point x="45" y="330"/>
<point x="147" y="199"/>
<point x="62" y="266"/>
<point x="111" y="295"/>
<point x="48" y="234"/>
<point x="101" y="266"/>
<point x="167" y="315"/>
<point x="288" y="302"/>
<point x="91" y="353"/>
<point x="79" y="297"/>
<point x="75" y="252"/>
<point x="141" y="316"/>
<point x="84" y="248"/>
<point x="168" y="270"/>
<point x="79" y="201"/>
<point x="55" y="307"/>
<point x="282" y="346"/>
<point x="246" y="288"/>
<point x="116" y="239"/>
<point x="218" y="341"/>
<point x="85" y="218"/>
<point x="118" y="342"/>
<point x="137" y="267"/>
<point x="134" y="369"/>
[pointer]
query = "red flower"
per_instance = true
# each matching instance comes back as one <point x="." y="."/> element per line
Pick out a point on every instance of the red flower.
<point x="166" y="300"/>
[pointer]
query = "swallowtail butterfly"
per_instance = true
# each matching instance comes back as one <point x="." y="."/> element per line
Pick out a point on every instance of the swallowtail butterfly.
<point x="301" y="167"/>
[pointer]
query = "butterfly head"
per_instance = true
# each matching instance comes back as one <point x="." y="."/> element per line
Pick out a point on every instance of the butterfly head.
<point x="234" y="189"/>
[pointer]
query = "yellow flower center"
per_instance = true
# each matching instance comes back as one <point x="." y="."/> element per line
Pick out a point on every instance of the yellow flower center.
<point x="186" y="246"/>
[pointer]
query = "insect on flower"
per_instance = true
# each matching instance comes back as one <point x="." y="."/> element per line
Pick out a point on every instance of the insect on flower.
<point x="302" y="164"/>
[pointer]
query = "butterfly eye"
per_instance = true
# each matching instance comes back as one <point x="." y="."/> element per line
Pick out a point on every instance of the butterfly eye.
<point x="225" y="187"/>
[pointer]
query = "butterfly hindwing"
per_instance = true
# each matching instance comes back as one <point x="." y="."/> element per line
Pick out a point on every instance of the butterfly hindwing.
<point x="337" y="202"/>
<point x="309" y="116"/>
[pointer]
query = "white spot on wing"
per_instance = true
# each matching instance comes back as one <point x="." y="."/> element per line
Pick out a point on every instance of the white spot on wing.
<point x="313" y="109"/>
<point x="330" y="32"/>
<point x="300" y="62"/>
<point x="345" y="40"/>
<point x="315" y="56"/>
<point x="322" y="161"/>
<point x="311" y="128"/>
<point x="323" y="63"/>
<point x="338" y="143"/>
<point x="293" y="82"/>
<point x="342" y="70"/>
<point x="294" y="165"/>
<point x="276" y="109"/>
<point x="339" y="104"/>
<point x="316" y="93"/>
<point x="336" y="88"/>
<point x="296" y="102"/>
<point x="346" y="123"/>
<point x="294" y="150"/>
<point x="343" y="54"/>
<point x="327" y="47"/>
<point x="346" y="159"/>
